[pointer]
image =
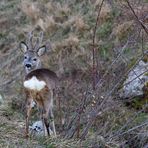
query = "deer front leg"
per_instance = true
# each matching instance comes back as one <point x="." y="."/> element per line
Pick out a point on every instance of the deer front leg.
<point x="51" y="115"/>
<point x="28" y="112"/>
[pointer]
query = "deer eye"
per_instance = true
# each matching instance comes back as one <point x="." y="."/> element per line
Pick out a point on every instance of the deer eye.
<point x="25" y="57"/>
<point x="34" y="59"/>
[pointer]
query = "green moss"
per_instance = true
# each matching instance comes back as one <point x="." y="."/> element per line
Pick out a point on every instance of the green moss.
<point x="146" y="84"/>
<point x="116" y="12"/>
<point x="132" y="62"/>
<point x="127" y="50"/>
<point x="104" y="30"/>
<point x="145" y="58"/>
<point x="45" y="142"/>
<point x="10" y="5"/>
<point x="138" y="103"/>
<point x="3" y="36"/>
<point x="141" y="118"/>
<point x="104" y="50"/>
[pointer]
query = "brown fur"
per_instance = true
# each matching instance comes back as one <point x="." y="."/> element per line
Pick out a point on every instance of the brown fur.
<point x="43" y="98"/>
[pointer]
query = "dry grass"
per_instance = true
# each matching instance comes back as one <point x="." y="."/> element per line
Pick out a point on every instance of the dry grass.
<point x="30" y="9"/>
<point x="122" y="30"/>
<point x="48" y="24"/>
<point x="106" y="13"/>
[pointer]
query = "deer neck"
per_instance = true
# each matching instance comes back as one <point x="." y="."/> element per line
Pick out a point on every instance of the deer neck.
<point x="37" y="67"/>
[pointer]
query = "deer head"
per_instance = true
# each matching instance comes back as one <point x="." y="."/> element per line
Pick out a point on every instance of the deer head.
<point x="32" y="53"/>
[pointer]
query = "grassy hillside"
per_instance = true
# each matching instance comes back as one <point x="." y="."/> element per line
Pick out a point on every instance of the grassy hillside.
<point x="69" y="25"/>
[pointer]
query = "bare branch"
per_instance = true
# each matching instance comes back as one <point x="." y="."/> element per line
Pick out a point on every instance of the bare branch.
<point x="140" y="22"/>
<point x="134" y="128"/>
<point x="94" y="48"/>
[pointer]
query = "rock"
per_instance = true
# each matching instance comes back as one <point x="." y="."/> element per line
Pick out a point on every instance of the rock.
<point x="133" y="85"/>
<point x="37" y="126"/>
<point x="1" y="99"/>
<point x="33" y="104"/>
<point x="38" y="129"/>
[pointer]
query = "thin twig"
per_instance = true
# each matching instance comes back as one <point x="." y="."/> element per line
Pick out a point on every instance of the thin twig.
<point x="136" y="77"/>
<point x="94" y="48"/>
<point x="134" y="128"/>
<point x="99" y="106"/>
<point x="100" y="82"/>
<point x="140" y="22"/>
<point x="131" y="119"/>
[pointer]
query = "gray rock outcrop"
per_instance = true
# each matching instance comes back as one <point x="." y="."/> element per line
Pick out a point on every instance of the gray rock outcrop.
<point x="136" y="79"/>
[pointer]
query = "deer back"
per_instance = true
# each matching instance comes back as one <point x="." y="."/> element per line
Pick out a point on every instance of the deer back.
<point x="40" y="78"/>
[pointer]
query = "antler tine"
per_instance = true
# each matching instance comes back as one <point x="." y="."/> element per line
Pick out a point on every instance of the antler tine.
<point x="40" y="37"/>
<point x="30" y="37"/>
<point x="38" y="41"/>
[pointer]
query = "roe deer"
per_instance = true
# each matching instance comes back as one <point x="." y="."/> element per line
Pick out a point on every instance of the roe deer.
<point x="39" y="84"/>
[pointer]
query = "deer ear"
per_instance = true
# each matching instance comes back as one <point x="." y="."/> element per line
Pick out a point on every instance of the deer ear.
<point x="41" y="50"/>
<point x="23" y="47"/>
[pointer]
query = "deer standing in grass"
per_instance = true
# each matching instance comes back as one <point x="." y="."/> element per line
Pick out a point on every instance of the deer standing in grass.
<point x="39" y="84"/>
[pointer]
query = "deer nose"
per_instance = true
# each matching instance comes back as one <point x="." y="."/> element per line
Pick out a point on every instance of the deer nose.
<point x="28" y="65"/>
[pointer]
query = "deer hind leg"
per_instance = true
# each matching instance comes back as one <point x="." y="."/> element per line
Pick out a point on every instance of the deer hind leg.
<point x="48" y="104"/>
<point x="28" y="112"/>
<point x="46" y="124"/>
<point x="51" y="115"/>
<point x="52" y="121"/>
<point x="44" y="117"/>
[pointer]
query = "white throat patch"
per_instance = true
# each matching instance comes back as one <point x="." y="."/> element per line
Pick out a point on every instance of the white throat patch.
<point x="34" y="84"/>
